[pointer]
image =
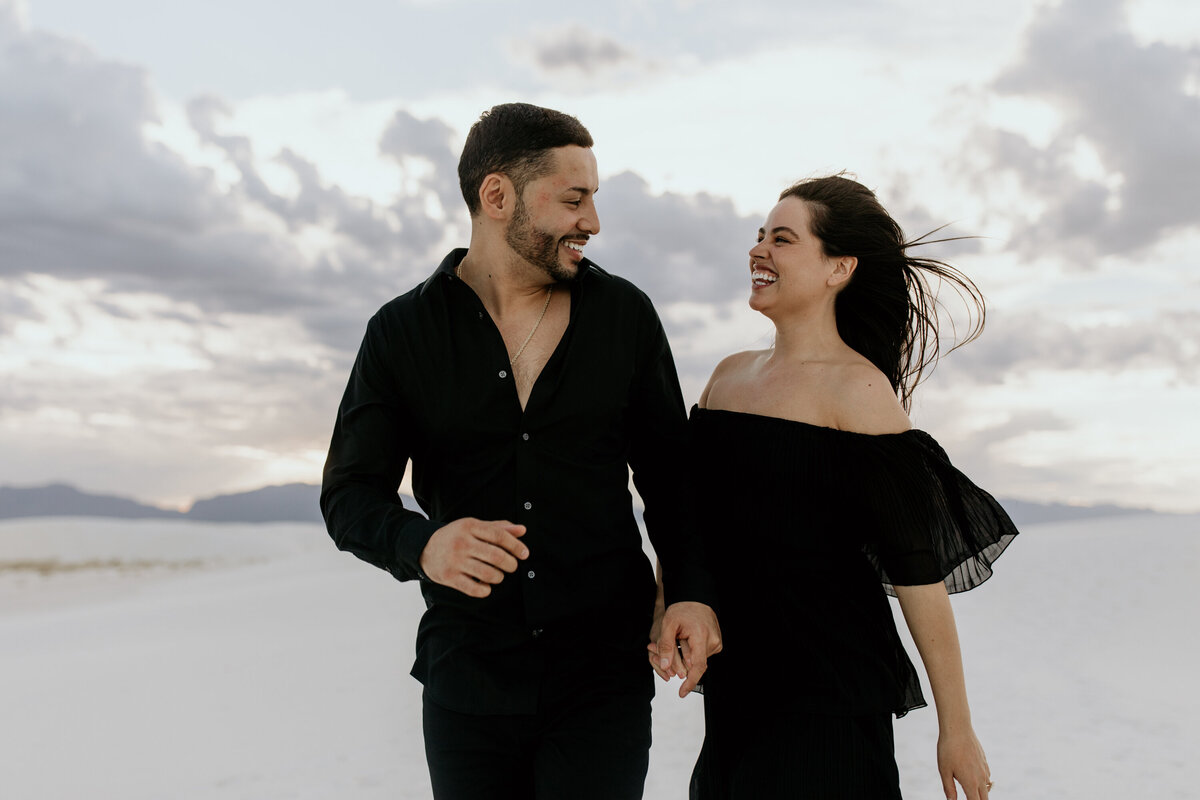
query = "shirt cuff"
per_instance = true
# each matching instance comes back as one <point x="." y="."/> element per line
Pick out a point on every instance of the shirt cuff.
<point x="689" y="582"/>
<point x="409" y="546"/>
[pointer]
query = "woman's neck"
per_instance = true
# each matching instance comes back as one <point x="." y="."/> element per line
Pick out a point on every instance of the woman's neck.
<point x="808" y="337"/>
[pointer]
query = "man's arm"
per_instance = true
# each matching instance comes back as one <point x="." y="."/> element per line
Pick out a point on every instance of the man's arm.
<point x="368" y="454"/>
<point x="659" y="458"/>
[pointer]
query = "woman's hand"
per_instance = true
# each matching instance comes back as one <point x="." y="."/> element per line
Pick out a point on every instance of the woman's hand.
<point x="655" y="633"/>
<point x="960" y="758"/>
<point x="660" y="609"/>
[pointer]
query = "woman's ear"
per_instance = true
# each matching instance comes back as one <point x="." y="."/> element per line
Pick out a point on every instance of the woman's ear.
<point x="843" y="270"/>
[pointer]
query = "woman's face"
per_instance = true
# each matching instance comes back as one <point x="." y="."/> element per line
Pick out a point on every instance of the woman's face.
<point x="788" y="266"/>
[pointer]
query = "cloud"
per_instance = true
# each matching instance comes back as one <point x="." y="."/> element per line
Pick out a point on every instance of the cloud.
<point x="379" y="235"/>
<point x="987" y="453"/>
<point x="73" y="144"/>
<point x="14" y="20"/>
<point x="131" y="378"/>
<point x="86" y="195"/>
<point x="152" y="313"/>
<point x="577" y="49"/>
<point x="574" y="52"/>
<point x="431" y="144"/>
<point x="1118" y="173"/>
<point x="676" y="247"/>
<point x="1022" y="344"/>
<point x="13" y="309"/>
<point x="176" y="325"/>
<point x="220" y="306"/>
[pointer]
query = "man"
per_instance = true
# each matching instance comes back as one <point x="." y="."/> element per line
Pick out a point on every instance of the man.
<point x="523" y="382"/>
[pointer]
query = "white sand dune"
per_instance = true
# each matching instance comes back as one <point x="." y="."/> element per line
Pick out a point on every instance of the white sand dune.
<point x="151" y="659"/>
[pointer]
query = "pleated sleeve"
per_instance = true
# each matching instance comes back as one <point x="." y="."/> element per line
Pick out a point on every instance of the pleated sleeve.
<point x="926" y="521"/>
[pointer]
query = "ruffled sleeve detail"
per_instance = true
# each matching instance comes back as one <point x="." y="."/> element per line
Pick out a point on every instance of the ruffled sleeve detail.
<point x="930" y="522"/>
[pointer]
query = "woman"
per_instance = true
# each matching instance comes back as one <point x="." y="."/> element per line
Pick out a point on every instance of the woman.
<point x="839" y="502"/>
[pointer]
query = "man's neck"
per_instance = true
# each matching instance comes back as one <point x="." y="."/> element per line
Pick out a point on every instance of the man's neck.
<point x="504" y="281"/>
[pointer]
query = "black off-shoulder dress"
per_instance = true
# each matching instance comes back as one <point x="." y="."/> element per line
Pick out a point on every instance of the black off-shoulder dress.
<point x="810" y="529"/>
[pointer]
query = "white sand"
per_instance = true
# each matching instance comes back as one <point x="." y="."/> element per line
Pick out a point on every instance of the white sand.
<point x="257" y="662"/>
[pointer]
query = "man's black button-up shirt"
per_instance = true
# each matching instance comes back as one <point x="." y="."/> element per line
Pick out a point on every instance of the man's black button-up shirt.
<point x="433" y="383"/>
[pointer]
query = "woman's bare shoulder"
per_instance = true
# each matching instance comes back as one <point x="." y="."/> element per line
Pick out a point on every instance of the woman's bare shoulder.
<point x="866" y="401"/>
<point x="730" y="366"/>
<point x="736" y="361"/>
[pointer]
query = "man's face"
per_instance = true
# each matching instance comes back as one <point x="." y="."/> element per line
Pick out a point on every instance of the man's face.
<point x="556" y="214"/>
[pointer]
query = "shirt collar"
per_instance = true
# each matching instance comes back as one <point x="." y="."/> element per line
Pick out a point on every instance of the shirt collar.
<point x="446" y="268"/>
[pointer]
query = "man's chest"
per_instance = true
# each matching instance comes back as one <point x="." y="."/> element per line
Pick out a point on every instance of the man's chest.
<point x="529" y="358"/>
<point x="461" y="395"/>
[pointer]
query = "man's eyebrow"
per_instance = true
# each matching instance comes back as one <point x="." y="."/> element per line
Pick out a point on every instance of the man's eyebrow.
<point x="582" y="190"/>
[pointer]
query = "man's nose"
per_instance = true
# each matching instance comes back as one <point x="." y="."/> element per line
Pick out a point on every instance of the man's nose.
<point x="590" y="221"/>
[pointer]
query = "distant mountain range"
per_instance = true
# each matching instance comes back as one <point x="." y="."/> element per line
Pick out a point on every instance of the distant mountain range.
<point x="293" y="502"/>
<point x="297" y="502"/>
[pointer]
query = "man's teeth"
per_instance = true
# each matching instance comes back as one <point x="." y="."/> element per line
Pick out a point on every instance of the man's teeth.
<point x="575" y="246"/>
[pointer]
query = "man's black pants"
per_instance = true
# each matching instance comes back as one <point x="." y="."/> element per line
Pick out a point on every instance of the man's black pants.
<point x="589" y="742"/>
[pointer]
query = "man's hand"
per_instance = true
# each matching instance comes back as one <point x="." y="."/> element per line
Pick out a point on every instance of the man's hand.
<point x="689" y="635"/>
<point x="471" y="555"/>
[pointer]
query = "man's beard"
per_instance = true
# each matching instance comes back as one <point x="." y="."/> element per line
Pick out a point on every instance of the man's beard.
<point x="537" y="247"/>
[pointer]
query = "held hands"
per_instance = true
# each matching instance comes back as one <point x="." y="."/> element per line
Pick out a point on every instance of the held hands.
<point x="471" y="555"/>
<point x="683" y="639"/>
<point x="960" y="757"/>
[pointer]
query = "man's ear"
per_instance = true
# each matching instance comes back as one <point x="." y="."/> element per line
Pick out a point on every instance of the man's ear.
<point x="497" y="196"/>
<point x="843" y="270"/>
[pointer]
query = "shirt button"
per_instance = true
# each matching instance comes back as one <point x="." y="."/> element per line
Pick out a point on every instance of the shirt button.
<point x="503" y="374"/>
<point x="480" y="314"/>
<point x="530" y="574"/>
<point x="525" y="436"/>
<point x="528" y="505"/>
<point x="537" y="632"/>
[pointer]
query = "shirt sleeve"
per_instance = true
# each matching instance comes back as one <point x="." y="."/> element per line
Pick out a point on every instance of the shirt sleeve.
<point x="931" y="523"/>
<point x="367" y="457"/>
<point x="658" y="455"/>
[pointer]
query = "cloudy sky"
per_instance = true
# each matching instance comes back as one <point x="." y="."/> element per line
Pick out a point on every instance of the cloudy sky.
<point x="202" y="203"/>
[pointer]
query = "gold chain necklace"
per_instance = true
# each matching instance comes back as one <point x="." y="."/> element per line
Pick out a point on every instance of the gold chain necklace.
<point x="549" y="293"/>
<point x="521" y="349"/>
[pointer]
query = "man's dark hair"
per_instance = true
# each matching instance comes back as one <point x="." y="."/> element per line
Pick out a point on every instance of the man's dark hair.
<point x="515" y="139"/>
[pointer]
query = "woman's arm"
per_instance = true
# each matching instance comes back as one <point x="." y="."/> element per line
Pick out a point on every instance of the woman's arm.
<point x="960" y="756"/>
